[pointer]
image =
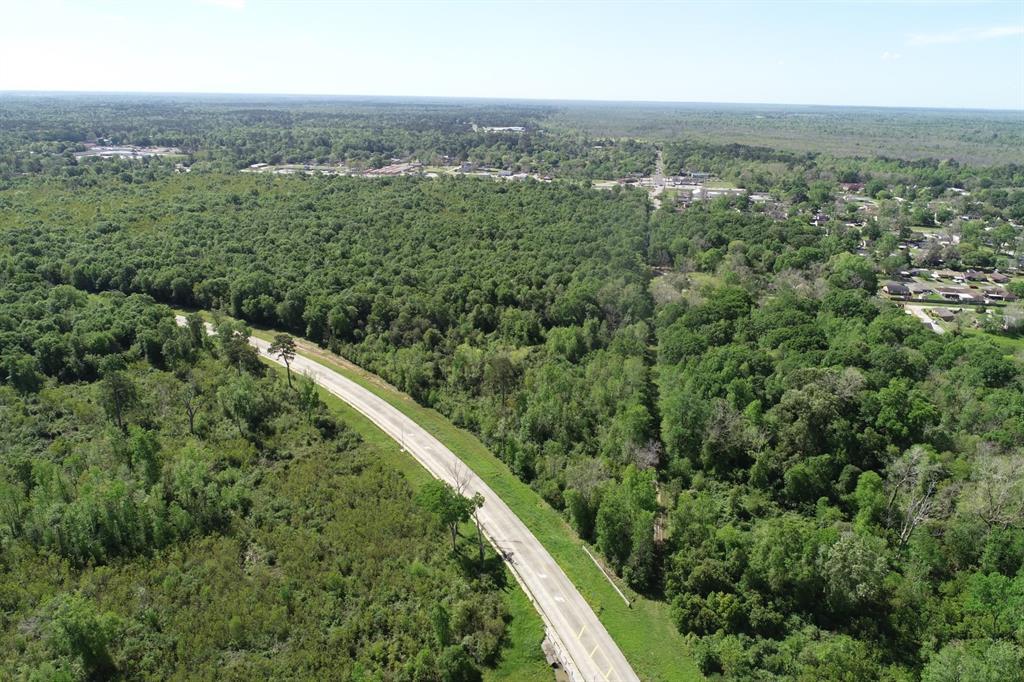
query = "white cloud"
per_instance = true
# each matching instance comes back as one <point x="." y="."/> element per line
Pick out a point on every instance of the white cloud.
<point x="891" y="56"/>
<point x="229" y="4"/>
<point x="964" y="35"/>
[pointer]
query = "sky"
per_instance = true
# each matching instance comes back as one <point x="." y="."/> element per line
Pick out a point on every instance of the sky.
<point x="919" y="54"/>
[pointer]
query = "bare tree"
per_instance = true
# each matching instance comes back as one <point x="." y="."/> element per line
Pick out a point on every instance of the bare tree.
<point x="1013" y="317"/>
<point x="461" y="477"/>
<point x="646" y="456"/>
<point x="996" y="494"/>
<point x="912" y="480"/>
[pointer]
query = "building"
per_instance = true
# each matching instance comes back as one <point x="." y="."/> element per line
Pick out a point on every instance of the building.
<point x="920" y="289"/>
<point x="896" y="289"/>
<point x="958" y="294"/>
<point x="944" y="314"/>
<point x="948" y="274"/>
<point x="999" y="278"/>
<point x="999" y="294"/>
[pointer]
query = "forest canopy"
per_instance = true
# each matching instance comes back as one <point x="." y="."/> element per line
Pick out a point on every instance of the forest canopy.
<point x="713" y="394"/>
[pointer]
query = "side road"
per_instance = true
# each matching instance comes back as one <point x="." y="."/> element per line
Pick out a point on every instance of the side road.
<point x="590" y="653"/>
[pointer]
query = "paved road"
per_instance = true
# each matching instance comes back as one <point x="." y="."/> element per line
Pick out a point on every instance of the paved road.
<point x="570" y="621"/>
<point x="657" y="181"/>
<point x="920" y="313"/>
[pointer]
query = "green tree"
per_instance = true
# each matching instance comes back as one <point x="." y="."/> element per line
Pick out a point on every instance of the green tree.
<point x="441" y="622"/>
<point x="614" y="528"/>
<point x="309" y="397"/>
<point x="78" y="630"/>
<point x="870" y="501"/>
<point x="22" y="372"/>
<point x="447" y="505"/>
<point x="249" y="407"/>
<point x="234" y="345"/>
<point x="145" y="454"/>
<point x="854" y="569"/>
<point x="118" y="392"/>
<point x="976" y="661"/>
<point x="848" y="271"/>
<point x="283" y="347"/>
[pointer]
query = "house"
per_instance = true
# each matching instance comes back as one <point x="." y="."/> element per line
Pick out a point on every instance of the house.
<point x="999" y="278"/>
<point x="819" y="219"/>
<point x="999" y="294"/>
<point x="944" y="314"/>
<point x="948" y="274"/>
<point x="975" y="276"/>
<point x="896" y="289"/>
<point x="958" y="294"/>
<point x="920" y="289"/>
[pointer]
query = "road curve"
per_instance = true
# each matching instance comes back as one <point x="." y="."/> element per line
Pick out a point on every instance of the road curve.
<point x="570" y="621"/>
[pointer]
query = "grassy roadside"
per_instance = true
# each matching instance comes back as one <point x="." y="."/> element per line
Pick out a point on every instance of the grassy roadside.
<point x="521" y="658"/>
<point x="1011" y="345"/>
<point x="645" y="631"/>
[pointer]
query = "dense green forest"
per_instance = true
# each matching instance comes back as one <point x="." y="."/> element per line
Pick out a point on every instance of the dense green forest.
<point x="171" y="510"/>
<point x="975" y="137"/>
<point x="716" y="397"/>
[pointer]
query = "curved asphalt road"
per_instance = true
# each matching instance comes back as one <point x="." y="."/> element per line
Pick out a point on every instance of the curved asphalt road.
<point x="570" y="621"/>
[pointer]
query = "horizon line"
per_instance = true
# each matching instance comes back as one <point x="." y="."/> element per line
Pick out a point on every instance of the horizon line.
<point x="284" y="95"/>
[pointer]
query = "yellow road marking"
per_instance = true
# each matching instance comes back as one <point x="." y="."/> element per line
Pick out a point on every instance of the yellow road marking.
<point x="580" y="633"/>
<point x="608" y="673"/>
<point x="591" y="654"/>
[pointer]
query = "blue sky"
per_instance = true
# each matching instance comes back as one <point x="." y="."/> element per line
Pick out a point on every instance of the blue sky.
<point x="931" y="54"/>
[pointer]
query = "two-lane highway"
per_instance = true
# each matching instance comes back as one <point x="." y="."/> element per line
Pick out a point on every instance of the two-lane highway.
<point x="571" y="623"/>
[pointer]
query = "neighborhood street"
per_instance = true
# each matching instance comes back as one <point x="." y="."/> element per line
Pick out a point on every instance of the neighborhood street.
<point x="920" y="313"/>
<point x="657" y="182"/>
